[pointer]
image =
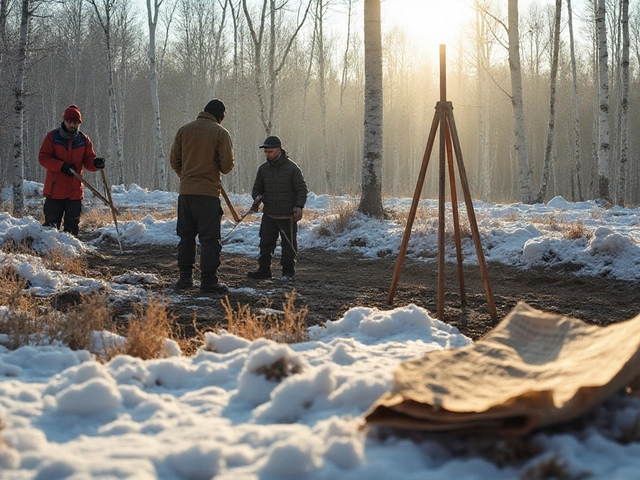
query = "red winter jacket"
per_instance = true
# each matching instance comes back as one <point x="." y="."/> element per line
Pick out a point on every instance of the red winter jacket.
<point x="57" y="150"/>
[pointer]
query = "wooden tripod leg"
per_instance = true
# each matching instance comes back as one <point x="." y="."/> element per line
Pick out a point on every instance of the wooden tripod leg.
<point x="441" y="212"/>
<point x="472" y="216"/>
<point x="414" y="208"/>
<point x="456" y="217"/>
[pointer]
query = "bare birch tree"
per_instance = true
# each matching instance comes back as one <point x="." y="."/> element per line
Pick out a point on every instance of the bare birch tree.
<point x="340" y="161"/>
<point x="322" y="53"/>
<point x="371" y="199"/>
<point x="551" y="129"/>
<point x="576" y="112"/>
<point x="105" y="10"/>
<point x="20" y="66"/>
<point x="624" y="104"/>
<point x="153" y="9"/>
<point x="603" y="97"/>
<point x="276" y="54"/>
<point x="522" y="155"/>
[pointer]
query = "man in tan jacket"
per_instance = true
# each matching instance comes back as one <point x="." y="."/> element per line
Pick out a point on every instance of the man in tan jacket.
<point x="202" y="151"/>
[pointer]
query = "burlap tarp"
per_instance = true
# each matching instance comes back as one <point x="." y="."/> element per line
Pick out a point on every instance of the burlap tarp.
<point x="534" y="369"/>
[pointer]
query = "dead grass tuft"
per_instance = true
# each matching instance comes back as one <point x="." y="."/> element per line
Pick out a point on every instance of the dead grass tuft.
<point x="288" y="327"/>
<point x="148" y="329"/>
<point x="92" y="314"/>
<point x="574" y="231"/>
<point x="54" y="259"/>
<point x="281" y="368"/>
<point x="25" y="322"/>
<point x="552" y="467"/>
<point x="58" y="259"/>
<point x="337" y="219"/>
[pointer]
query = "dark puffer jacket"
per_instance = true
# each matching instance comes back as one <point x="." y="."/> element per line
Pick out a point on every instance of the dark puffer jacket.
<point x="282" y="184"/>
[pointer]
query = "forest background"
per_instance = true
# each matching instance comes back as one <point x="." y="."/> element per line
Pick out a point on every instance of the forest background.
<point x="295" y="68"/>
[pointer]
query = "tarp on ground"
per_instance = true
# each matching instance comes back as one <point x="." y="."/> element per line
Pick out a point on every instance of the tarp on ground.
<point x="534" y="369"/>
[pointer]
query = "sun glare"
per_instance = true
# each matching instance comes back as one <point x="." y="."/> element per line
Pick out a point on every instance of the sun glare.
<point x="428" y="23"/>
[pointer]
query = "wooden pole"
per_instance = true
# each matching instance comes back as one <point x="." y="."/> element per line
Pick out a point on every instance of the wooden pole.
<point x="234" y="214"/>
<point x="107" y="189"/>
<point x="414" y="207"/>
<point x="472" y="218"/>
<point x="456" y="217"/>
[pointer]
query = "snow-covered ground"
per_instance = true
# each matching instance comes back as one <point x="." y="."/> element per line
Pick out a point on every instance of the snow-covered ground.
<point x="214" y="415"/>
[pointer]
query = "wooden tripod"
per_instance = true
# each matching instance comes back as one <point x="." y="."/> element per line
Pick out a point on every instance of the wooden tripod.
<point x="449" y="141"/>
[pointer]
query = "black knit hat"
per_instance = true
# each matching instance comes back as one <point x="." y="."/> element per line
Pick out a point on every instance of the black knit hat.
<point x="216" y="108"/>
<point x="271" y="142"/>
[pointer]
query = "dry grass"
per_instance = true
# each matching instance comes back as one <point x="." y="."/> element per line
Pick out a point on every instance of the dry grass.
<point x="288" y="327"/>
<point x="27" y="323"/>
<point x="58" y="259"/>
<point x="101" y="217"/>
<point x="337" y="219"/>
<point x="574" y="231"/>
<point x="148" y="329"/>
<point x="92" y="314"/>
<point x="552" y="467"/>
<point x="55" y="259"/>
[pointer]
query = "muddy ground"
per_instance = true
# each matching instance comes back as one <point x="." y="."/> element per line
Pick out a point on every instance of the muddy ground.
<point x="330" y="283"/>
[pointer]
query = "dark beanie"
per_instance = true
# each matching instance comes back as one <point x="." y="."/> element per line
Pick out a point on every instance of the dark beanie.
<point x="216" y="108"/>
<point x="72" y="113"/>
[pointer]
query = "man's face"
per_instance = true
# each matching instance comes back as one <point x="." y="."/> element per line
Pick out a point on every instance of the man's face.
<point x="71" y="124"/>
<point x="272" y="153"/>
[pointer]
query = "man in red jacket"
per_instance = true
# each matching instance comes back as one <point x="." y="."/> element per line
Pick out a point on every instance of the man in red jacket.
<point x="66" y="150"/>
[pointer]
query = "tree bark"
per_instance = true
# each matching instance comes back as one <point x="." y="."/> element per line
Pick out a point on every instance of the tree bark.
<point x="152" y="20"/>
<point x="371" y="199"/>
<point x="576" y="112"/>
<point x="18" y="157"/>
<point x="551" y="131"/>
<point x="624" y="104"/>
<point x="522" y="155"/>
<point x="603" y="97"/>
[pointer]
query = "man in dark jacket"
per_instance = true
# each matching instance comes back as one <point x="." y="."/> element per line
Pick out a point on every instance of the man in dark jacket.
<point x="284" y="194"/>
<point x="65" y="151"/>
<point x="202" y="151"/>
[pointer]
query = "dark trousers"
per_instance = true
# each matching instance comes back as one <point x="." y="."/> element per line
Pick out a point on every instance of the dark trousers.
<point x="55" y="209"/>
<point x="199" y="215"/>
<point x="270" y="230"/>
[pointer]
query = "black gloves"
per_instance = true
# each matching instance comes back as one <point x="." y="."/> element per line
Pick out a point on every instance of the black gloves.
<point x="67" y="169"/>
<point x="98" y="162"/>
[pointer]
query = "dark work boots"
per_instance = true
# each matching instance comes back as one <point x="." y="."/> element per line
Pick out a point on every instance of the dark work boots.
<point x="185" y="281"/>
<point x="261" y="274"/>
<point x="217" y="287"/>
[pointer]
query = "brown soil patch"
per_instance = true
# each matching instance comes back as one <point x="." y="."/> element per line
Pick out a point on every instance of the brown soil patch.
<point x="330" y="283"/>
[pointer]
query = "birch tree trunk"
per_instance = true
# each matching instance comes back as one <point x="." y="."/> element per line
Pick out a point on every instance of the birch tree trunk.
<point x="522" y="155"/>
<point x="603" y="97"/>
<point x="18" y="157"/>
<point x="152" y="19"/>
<point x="576" y="112"/>
<point x="371" y="199"/>
<point x="482" y="65"/>
<point x="624" y="104"/>
<point x="104" y="16"/>
<point x="341" y="160"/>
<point x="235" y="18"/>
<point x="551" y="131"/>
<point x="266" y="87"/>
<point x="216" y="50"/>
<point x="322" y="74"/>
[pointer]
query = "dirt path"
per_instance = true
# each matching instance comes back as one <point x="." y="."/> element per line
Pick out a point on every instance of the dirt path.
<point x="329" y="283"/>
